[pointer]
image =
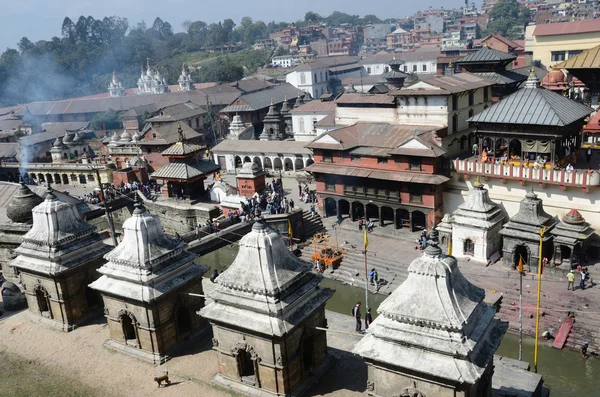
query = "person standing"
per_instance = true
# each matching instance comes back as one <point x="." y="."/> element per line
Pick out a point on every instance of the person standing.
<point x="582" y="281"/>
<point x="368" y="318"/>
<point x="588" y="155"/>
<point x="571" y="281"/>
<point x="584" y="349"/>
<point x="357" y="317"/>
<point x="312" y="211"/>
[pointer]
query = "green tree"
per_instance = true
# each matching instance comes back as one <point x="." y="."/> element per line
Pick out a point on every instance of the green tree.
<point x="507" y="18"/>
<point x="312" y="17"/>
<point x="109" y="120"/>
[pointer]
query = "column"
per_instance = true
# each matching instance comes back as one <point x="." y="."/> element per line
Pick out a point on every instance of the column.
<point x="337" y="210"/>
<point x="396" y="222"/>
<point x="294" y="164"/>
<point x="410" y="219"/>
<point x="352" y="215"/>
<point x="380" y="215"/>
<point x="273" y="164"/>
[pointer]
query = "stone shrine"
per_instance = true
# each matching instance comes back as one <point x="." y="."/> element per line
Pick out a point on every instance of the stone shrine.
<point x="286" y="115"/>
<point x="434" y="335"/>
<point x="274" y="125"/>
<point x="185" y="80"/>
<point x="146" y="286"/>
<point x="521" y="235"/>
<point x="56" y="261"/>
<point x="250" y="180"/>
<point x="264" y="315"/>
<point x="115" y="87"/>
<point x="476" y="226"/>
<point x="571" y="240"/>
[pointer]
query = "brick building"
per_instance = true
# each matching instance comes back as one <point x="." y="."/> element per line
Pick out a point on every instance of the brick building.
<point x="392" y="173"/>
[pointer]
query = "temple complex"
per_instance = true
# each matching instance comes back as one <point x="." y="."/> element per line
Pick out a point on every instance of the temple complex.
<point x="571" y="240"/>
<point x="476" y="225"/>
<point x="185" y="80"/>
<point x="125" y="151"/>
<point x="521" y="235"/>
<point x="151" y="81"/>
<point x="434" y="336"/>
<point x="264" y="315"/>
<point x="146" y="286"/>
<point x="56" y="261"/>
<point x="491" y="64"/>
<point x="115" y="87"/>
<point x="185" y="173"/>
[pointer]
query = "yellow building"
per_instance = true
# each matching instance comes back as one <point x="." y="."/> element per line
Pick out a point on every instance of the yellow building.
<point x="556" y="42"/>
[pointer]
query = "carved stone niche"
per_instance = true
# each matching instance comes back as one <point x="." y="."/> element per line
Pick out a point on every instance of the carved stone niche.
<point x="410" y="392"/>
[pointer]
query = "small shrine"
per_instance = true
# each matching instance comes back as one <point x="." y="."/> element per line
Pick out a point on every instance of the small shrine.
<point x="273" y="125"/>
<point x="185" y="80"/>
<point x="434" y="336"/>
<point x="571" y="240"/>
<point x="185" y="174"/>
<point x="250" y="180"/>
<point x="521" y="235"/>
<point x="286" y="115"/>
<point x="476" y="225"/>
<point x="236" y="127"/>
<point x="57" y="259"/>
<point x="265" y="313"/>
<point x="299" y="101"/>
<point x="115" y="88"/>
<point x="146" y="286"/>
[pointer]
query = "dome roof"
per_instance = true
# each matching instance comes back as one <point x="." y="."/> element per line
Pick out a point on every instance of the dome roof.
<point x="125" y="137"/>
<point x="68" y="138"/>
<point x="573" y="218"/>
<point x="77" y="137"/>
<point x="555" y="80"/>
<point x="136" y="137"/>
<point x="21" y="204"/>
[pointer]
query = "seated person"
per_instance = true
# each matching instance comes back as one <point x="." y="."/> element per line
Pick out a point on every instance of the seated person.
<point x="590" y="171"/>
<point x="536" y="165"/>
<point x="484" y="156"/>
<point x="569" y="168"/>
<point x="497" y="162"/>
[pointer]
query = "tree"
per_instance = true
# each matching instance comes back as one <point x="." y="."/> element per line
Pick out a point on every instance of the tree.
<point x="25" y="44"/>
<point x="371" y="19"/>
<point x="109" y="120"/>
<point x="507" y="18"/>
<point x="312" y="17"/>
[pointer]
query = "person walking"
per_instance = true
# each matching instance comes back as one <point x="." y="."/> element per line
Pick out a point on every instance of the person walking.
<point x="357" y="317"/>
<point x="368" y="318"/>
<point x="582" y="281"/>
<point x="584" y="349"/>
<point x="371" y="275"/>
<point x="360" y="225"/>
<point x="571" y="281"/>
<point x="588" y="155"/>
<point x="312" y="211"/>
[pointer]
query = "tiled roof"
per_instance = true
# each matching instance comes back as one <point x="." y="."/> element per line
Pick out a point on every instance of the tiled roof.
<point x="446" y="85"/>
<point x="254" y="146"/>
<point x="486" y="55"/>
<point x="180" y="111"/>
<point x="167" y="133"/>
<point x="418" y="55"/>
<point x="315" y="107"/>
<point x="589" y="59"/>
<point x="585" y="26"/>
<point x="380" y="57"/>
<point x="186" y="171"/>
<point x="326" y="62"/>
<point x="182" y="148"/>
<point x="350" y="98"/>
<point x="66" y="126"/>
<point x="40" y="137"/>
<point x="533" y="106"/>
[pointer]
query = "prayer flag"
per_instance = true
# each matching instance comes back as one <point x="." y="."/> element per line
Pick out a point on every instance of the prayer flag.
<point x="520" y="267"/>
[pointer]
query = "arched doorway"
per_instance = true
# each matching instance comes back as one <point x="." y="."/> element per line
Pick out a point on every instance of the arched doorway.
<point x="344" y="208"/>
<point x="238" y="162"/>
<point x="468" y="247"/>
<point x="268" y="163"/>
<point x="258" y="162"/>
<point x="245" y="364"/>
<point x="65" y="179"/>
<point x="372" y="212"/>
<point x="419" y="220"/>
<point x="289" y="165"/>
<point x="183" y="321"/>
<point x="49" y="178"/>
<point x="299" y="164"/>
<point x="500" y="147"/>
<point x="247" y="159"/>
<point x="387" y="216"/>
<point x="514" y="148"/>
<point x="127" y="322"/>
<point x="358" y="210"/>
<point x="43" y="302"/>
<point x="402" y="218"/>
<point x="472" y="139"/>
<point x="57" y="178"/>
<point x="330" y="207"/>
<point x="521" y="251"/>
<point x="92" y="298"/>
<point x="309" y="162"/>
<point x="277" y="163"/>
<point x="41" y="178"/>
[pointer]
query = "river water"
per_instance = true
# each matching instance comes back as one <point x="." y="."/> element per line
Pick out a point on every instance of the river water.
<point x="565" y="372"/>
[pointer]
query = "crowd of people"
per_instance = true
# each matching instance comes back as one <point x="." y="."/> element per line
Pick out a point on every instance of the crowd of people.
<point x="305" y="194"/>
<point x="111" y="191"/>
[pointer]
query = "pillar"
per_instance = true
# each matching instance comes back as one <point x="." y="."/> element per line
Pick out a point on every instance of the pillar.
<point x="293" y="164"/>
<point x="396" y="222"/>
<point x="273" y="163"/>
<point x="337" y="210"/>
<point x="380" y="215"/>
<point x="352" y="213"/>
<point x="410" y="218"/>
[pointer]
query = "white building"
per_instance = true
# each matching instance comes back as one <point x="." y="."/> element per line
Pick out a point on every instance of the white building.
<point x="377" y="64"/>
<point x="151" y="81"/>
<point x="185" y="80"/>
<point x="305" y="118"/>
<point x="419" y="62"/>
<point x="115" y="88"/>
<point x="289" y="61"/>
<point x="310" y="77"/>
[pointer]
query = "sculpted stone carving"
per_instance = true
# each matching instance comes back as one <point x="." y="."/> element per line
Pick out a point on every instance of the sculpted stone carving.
<point x="370" y="386"/>
<point x="245" y="346"/>
<point x="279" y="361"/>
<point x="410" y="392"/>
<point x="215" y="342"/>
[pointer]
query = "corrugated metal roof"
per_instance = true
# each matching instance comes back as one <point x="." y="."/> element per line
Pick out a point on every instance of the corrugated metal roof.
<point x="396" y="176"/>
<point x="486" y="55"/>
<point x="589" y="59"/>
<point x="455" y="83"/>
<point x="8" y="150"/>
<point x="345" y="68"/>
<point x="585" y="26"/>
<point x="34" y="139"/>
<point x="254" y="146"/>
<point x="10" y="124"/>
<point x="177" y="112"/>
<point x="533" y="106"/>
<point x="262" y="99"/>
<point x="167" y="133"/>
<point x="315" y="107"/>
<point x="504" y="77"/>
<point x="182" y="148"/>
<point x="186" y="171"/>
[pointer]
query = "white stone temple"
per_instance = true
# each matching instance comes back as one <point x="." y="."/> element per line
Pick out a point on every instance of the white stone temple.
<point x="264" y="315"/>
<point x="146" y="286"/>
<point x="115" y="88"/>
<point x="185" y="80"/>
<point x="476" y="225"/>
<point x="151" y="81"/>
<point x="434" y="335"/>
<point x="57" y="260"/>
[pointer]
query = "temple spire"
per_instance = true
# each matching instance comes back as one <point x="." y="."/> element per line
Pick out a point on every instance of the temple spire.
<point x="532" y="81"/>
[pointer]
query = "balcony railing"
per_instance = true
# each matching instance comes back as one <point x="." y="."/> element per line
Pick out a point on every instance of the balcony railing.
<point x="372" y="194"/>
<point x="575" y="178"/>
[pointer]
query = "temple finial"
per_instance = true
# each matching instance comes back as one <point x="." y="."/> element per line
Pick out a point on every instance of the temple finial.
<point x="477" y="184"/>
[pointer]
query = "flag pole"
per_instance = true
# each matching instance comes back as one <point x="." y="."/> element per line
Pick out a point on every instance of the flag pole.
<point x="539" y="292"/>
<point x="520" y="310"/>
<point x="366" y="273"/>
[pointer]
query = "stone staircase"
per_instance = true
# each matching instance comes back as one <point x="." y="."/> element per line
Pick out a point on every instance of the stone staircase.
<point x="312" y="225"/>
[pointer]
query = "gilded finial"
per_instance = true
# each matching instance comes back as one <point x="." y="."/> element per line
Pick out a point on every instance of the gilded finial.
<point x="478" y="184"/>
<point x="272" y="101"/>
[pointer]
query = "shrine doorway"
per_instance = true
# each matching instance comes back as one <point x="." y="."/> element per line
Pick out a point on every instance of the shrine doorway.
<point x="468" y="247"/>
<point x="521" y="251"/>
<point x="184" y="321"/>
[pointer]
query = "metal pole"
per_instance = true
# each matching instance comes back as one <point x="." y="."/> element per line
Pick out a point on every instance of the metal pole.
<point x="539" y="293"/>
<point x="520" y="315"/>
<point x="106" y="210"/>
<point x="366" y="283"/>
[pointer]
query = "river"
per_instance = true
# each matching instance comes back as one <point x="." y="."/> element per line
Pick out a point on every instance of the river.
<point x="565" y="372"/>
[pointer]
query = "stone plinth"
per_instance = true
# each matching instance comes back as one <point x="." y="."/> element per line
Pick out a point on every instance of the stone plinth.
<point x="250" y="180"/>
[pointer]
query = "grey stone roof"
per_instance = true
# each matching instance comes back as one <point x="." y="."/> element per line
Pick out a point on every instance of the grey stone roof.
<point x="185" y="171"/>
<point x="572" y="229"/>
<point x="266" y="289"/>
<point x="533" y="105"/>
<point x="262" y="99"/>
<point x="478" y="210"/>
<point x="8" y="150"/>
<point x="21" y="204"/>
<point x="526" y="223"/>
<point x="435" y="323"/>
<point x="147" y="263"/>
<point x="486" y="55"/>
<point x="58" y="240"/>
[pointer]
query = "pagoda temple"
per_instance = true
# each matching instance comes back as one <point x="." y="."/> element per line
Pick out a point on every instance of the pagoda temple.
<point x="185" y="174"/>
<point x="434" y="336"/>
<point x="265" y="314"/>
<point x="146" y="286"/>
<point x="394" y="79"/>
<point x="521" y="235"/>
<point x="56" y="261"/>
<point x="491" y="64"/>
<point x="571" y="240"/>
